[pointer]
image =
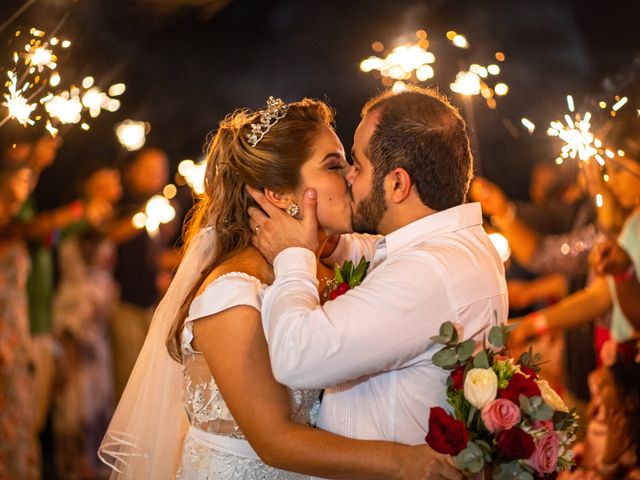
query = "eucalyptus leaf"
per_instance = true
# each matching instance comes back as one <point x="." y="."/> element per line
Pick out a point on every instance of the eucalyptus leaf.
<point x="471" y="459"/>
<point x="447" y="329"/>
<point x="536" y="402"/>
<point x="445" y="358"/>
<point x="486" y="448"/>
<point x="511" y="470"/>
<point x="496" y="337"/>
<point x="465" y="349"/>
<point x="440" y="339"/>
<point x="481" y="360"/>
<point x="454" y="336"/>
<point x="542" y="413"/>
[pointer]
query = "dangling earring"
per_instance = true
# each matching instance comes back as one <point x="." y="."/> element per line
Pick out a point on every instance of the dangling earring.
<point x="293" y="209"/>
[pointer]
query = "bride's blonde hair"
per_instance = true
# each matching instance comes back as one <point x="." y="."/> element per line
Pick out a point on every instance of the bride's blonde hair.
<point x="274" y="163"/>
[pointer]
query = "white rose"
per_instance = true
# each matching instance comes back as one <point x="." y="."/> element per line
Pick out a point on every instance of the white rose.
<point x="550" y="397"/>
<point x="480" y="386"/>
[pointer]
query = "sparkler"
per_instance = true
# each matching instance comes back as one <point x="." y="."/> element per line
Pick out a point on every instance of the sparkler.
<point x="501" y="244"/>
<point x="61" y="107"/>
<point x="17" y="105"/>
<point x="475" y="81"/>
<point x="410" y="62"/>
<point x="413" y="63"/>
<point x="576" y="132"/>
<point x="132" y="134"/>
<point x="193" y="174"/>
<point x="157" y="211"/>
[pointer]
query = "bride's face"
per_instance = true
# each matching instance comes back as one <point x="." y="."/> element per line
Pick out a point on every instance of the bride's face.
<point x="325" y="172"/>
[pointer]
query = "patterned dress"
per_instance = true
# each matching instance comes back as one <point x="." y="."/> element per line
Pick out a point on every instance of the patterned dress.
<point x="215" y="448"/>
<point x="83" y="396"/>
<point x="18" y="447"/>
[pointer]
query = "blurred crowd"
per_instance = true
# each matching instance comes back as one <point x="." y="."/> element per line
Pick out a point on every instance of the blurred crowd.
<point x="78" y="285"/>
<point x="574" y="294"/>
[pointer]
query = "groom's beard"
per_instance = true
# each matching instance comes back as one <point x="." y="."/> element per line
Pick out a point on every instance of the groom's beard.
<point x="369" y="212"/>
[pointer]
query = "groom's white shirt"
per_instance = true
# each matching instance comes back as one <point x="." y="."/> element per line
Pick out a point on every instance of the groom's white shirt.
<point x="370" y="348"/>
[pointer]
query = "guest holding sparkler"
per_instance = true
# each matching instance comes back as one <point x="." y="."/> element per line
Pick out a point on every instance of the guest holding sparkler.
<point x="82" y="308"/>
<point x="562" y="252"/>
<point x="617" y="263"/>
<point x="145" y="174"/>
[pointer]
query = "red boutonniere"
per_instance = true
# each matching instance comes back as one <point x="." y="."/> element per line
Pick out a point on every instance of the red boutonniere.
<point x="346" y="277"/>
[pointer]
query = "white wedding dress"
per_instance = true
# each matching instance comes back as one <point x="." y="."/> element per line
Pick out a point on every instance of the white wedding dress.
<point x="214" y="447"/>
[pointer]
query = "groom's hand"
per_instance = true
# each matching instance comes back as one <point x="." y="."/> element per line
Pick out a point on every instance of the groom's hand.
<point x="274" y="230"/>
<point x="422" y="462"/>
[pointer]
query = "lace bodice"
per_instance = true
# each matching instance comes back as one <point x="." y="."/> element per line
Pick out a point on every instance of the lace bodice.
<point x="203" y="402"/>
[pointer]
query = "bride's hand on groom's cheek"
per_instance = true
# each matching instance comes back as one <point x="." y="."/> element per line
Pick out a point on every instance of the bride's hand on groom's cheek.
<point x="422" y="462"/>
<point x="274" y="230"/>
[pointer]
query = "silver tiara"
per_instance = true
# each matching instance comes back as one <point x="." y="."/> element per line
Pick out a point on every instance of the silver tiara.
<point x="276" y="109"/>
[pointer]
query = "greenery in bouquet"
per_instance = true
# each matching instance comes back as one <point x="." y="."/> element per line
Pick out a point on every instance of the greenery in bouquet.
<point x="346" y="277"/>
<point x="504" y="418"/>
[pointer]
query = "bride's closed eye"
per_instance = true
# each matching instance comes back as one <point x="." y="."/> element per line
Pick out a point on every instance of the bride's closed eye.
<point x="337" y="166"/>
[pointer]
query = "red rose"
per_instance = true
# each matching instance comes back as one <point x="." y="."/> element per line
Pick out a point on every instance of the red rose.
<point x="528" y="371"/>
<point x="519" y="384"/>
<point x="457" y="378"/>
<point x="446" y="434"/>
<point x="340" y="290"/>
<point x="515" y="443"/>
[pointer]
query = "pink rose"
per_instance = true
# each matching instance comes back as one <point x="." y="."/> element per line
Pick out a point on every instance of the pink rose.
<point x="500" y="414"/>
<point x="545" y="456"/>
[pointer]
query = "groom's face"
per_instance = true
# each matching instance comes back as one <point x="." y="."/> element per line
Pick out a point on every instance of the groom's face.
<point x="368" y="200"/>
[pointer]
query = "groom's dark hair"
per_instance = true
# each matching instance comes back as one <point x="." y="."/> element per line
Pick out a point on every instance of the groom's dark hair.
<point x="420" y="131"/>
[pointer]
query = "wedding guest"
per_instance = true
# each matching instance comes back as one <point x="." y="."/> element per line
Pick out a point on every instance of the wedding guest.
<point x="18" y="447"/>
<point x="565" y="253"/>
<point x="136" y="269"/>
<point x="618" y="264"/>
<point x="82" y="307"/>
<point x="611" y="448"/>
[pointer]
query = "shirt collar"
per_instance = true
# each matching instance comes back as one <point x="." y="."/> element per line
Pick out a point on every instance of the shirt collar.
<point x="419" y="231"/>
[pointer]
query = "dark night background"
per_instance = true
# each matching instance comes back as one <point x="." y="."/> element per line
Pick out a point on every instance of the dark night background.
<point x="187" y="63"/>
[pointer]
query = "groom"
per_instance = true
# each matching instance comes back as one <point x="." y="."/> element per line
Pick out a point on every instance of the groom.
<point x="370" y="349"/>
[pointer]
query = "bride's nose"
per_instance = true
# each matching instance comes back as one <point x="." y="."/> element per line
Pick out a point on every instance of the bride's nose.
<point x="349" y="175"/>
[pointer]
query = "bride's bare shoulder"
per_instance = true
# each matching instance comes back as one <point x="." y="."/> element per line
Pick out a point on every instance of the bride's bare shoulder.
<point x="248" y="261"/>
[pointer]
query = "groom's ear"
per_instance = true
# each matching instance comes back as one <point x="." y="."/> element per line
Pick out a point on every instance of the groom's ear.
<point x="280" y="200"/>
<point x="399" y="185"/>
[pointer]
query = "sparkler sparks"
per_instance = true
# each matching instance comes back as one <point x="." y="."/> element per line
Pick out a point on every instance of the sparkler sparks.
<point x="40" y="57"/>
<point x="193" y="174"/>
<point x="501" y="244"/>
<point x="466" y="83"/>
<point x="132" y="134"/>
<point x="157" y="211"/>
<point x="402" y="63"/>
<point x="66" y="107"/>
<point x="576" y="132"/>
<point x="413" y="63"/>
<point x="62" y="107"/>
<point x="529" y="125"/>
<point x="17" y="105"/>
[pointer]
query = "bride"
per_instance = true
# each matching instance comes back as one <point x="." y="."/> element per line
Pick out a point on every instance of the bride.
<point x="240" y="423"/>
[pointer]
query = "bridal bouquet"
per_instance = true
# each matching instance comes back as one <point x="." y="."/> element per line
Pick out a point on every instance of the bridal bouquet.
<point x="506" y="421"/>
<point x="346" y="277"/>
